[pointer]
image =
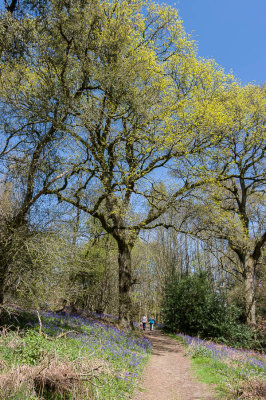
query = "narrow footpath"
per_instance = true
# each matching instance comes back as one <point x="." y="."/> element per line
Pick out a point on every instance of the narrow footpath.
<point x="168" y="375"/>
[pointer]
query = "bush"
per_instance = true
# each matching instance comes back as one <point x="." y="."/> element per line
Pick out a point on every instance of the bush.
<point x="192" y="307"/>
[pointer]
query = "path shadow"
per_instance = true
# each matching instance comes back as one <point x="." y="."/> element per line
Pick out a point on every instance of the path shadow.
<point x="162" y="343"/>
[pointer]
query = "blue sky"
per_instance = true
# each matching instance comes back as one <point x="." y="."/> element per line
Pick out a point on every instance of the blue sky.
<point x="233" y="32"/>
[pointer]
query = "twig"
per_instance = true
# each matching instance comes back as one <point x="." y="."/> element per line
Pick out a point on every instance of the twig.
<point x="46" y="336"/>
<point x="91" y="371"/>
<point x="40" y="323"/>
<point x="65" y="333"/>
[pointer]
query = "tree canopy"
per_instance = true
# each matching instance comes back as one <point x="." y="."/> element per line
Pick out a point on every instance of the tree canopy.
<point x="100" y="100"/>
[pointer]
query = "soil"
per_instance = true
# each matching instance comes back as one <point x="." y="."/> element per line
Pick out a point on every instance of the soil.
<point x="168" y="375"/>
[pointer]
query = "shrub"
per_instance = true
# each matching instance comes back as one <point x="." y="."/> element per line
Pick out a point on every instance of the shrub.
<point x="191" y="306"/>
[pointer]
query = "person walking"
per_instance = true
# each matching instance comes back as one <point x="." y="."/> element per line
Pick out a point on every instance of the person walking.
<point x="152" y="322"/>
<point x="144" y="322"/>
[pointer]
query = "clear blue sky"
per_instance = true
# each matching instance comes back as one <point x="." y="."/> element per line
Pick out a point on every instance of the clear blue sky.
<point x="233" y="32"/>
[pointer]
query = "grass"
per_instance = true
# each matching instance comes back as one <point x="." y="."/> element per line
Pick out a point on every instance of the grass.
<point x="237" y="373"/>
<point x="72" y="358"/>
<point x="206" y="371"/>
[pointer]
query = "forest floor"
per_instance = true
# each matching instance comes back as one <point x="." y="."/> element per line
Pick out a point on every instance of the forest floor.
<point x="168" y="375"/>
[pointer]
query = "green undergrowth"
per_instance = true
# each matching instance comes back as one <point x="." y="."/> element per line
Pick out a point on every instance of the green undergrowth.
<point x="235" y="373"/>
<point x="212" y="373"/>
<point x="70" y="358"/>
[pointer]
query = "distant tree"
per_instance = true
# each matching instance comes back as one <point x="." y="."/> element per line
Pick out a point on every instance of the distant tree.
<point x="230" y="208"/>
<point x="30" y="130"/>
<point x="91" y="282"/>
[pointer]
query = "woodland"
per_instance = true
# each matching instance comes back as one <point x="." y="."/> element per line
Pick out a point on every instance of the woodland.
<point x="131" y="171"/>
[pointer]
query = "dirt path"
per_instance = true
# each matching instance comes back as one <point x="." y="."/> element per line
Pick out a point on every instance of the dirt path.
<point x="168" y="375"/>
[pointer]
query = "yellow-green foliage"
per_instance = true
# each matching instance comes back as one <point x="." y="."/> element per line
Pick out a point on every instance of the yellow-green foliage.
<point x="137" y="53"/>
<point x="123" y="80"/>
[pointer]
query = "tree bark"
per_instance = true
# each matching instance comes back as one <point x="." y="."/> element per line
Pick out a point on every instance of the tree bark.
<point x="125" y="283"/>
<point x="2" y="285"/>
<point x="249" y="281"/>
<point x="3" y="273"/>
<point x="12" y="6"/>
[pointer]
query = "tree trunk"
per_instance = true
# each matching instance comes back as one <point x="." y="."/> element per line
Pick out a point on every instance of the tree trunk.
<point x="125" y="283"/>
<point x="249" y="282"/>
<point x="3" y="273"/>
<point x="2" y="284"/>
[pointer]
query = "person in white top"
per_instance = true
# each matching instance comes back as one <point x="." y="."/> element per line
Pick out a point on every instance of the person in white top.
<point x="144" y="322"/>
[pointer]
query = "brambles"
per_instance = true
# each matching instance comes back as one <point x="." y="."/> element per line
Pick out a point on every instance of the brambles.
<point x="252" y="388"/>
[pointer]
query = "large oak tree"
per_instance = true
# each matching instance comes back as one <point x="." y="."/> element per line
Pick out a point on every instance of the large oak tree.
<point x="108" y="94"/>
<point x="146" y="100"/>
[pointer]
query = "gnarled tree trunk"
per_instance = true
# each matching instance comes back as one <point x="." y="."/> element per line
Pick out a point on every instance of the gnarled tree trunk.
<point x="125" y="283"/>
<point x="250" y="284"/>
